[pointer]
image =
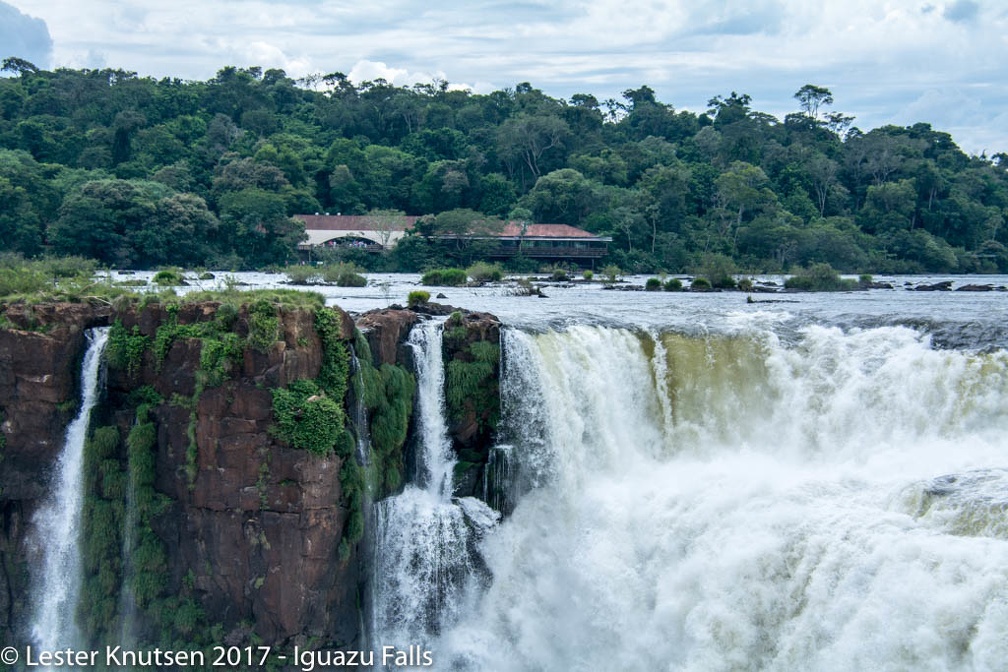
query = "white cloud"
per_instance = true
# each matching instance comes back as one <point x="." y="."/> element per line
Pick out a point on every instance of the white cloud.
<point x="363" y="71"/>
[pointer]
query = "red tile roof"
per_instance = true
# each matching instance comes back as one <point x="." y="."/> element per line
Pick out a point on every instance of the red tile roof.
<point x="514" y="229"/>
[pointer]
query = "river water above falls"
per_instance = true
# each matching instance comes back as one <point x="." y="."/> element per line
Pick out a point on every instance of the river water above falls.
<point x="699" y="483"/>
<point x="953" y="319"/>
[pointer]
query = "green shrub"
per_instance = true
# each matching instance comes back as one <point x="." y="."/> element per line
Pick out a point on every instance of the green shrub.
<point x="168" y="277"/>
<point x="344" y="274"/>
<point x="482" y="271"/>
<point x="653" y="285"/>
<point x="718" y="269"/>
<point x="673" y="285"/>
<point x="417" y="298"/>
<point x="745" y="284"/>
<point x="303" y="275"/>
<point x="226" y="316"/>
<point x="169" y="331"/>
<point x="125" y="349"/>
<point x="68" y="267"/>
<point x="559" y="274"/>
<point x="143" y="396"/>
<point x="23" y="280"/>
<point x="818" y="278"/>
<point x="472" y="382"/>
<point x="102" y="515"/>
<point x="387" y="393"/>
<point x="335" y="369"/>
<point x="588" y="276"/>
<point x="307" y="419"/>
<point x="611" y="273"/>
<point x="446" y="277"/>
<point x="700" y="285"/>
<point x="264" y="325"/>
<point x="52" y="279"/>
<point x="218" y="356"/>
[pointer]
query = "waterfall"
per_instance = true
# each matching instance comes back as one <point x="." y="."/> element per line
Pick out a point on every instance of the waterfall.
<point x="833" y="502"/>
<point x="436" y="461"/>
<point x="524" y="425"/>
<point x="425" y="562"/>
<point x="56" y="533"/>
<point x="360" y="420"/>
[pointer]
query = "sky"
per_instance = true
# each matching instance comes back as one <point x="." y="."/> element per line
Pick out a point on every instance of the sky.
<point x="943" y="62"/>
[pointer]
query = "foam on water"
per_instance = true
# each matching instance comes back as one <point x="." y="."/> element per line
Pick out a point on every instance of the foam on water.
<point x="789" y="518"/>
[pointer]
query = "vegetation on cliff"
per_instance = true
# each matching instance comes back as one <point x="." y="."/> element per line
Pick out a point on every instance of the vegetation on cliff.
<point x="103" y="518"/>
<point x="387" y="392"/>
<point x="472" y="390"/>
<point x="125" y="561"/>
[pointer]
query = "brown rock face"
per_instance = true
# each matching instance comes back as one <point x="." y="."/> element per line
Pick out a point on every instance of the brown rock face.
<point x="38" y="387"/>
<point x="386" y="330"/>
<point x="255" y="524"/>
<point x="252" y="525"/>
<point x="259" y="525"/>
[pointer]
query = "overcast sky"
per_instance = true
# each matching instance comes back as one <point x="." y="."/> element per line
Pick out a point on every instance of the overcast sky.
<point x="944" y="62"/>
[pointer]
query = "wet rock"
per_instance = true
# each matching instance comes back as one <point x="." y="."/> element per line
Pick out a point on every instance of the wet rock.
<point x="386" y="331"/>
<point x="434" y="309"/>
<point x="943" y="286"/>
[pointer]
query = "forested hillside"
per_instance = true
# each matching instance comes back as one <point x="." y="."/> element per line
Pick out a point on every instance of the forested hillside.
<point x="138" y="172"/>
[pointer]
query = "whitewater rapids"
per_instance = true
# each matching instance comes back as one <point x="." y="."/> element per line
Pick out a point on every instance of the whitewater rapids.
<point x="734" y="502"/>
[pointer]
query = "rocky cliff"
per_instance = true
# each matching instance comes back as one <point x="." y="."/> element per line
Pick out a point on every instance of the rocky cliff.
<point x="236" y="426"/>
<point x="243" y="534"/>
<point x="472" y="353"/>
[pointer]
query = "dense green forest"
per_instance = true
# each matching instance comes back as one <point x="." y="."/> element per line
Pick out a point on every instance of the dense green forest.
<point x="137" y="172"/>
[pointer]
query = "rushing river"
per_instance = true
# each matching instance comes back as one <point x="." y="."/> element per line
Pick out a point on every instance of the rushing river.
<point x="953" y="319"/>
<point x="808" y="482"/>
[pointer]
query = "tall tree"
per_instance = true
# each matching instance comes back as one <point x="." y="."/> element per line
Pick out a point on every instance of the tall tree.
<point x="812" y="97"/>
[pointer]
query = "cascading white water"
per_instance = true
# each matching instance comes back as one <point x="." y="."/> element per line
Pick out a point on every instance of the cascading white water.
<point x="56" y="525"/>
<point x="360" y="418"/>
<point x="833" y="504"/>
<point x="436" y="458"/>
<point x="423" y="547"/>
<point x="522" y="429"/>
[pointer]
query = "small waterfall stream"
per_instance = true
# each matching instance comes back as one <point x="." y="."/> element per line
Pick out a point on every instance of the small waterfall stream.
<point x="424" y="555"/>
<point x="56" y="534"/>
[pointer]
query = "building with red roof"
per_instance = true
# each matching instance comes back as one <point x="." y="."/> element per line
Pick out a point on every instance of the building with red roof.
<point x="556" y="242"/>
